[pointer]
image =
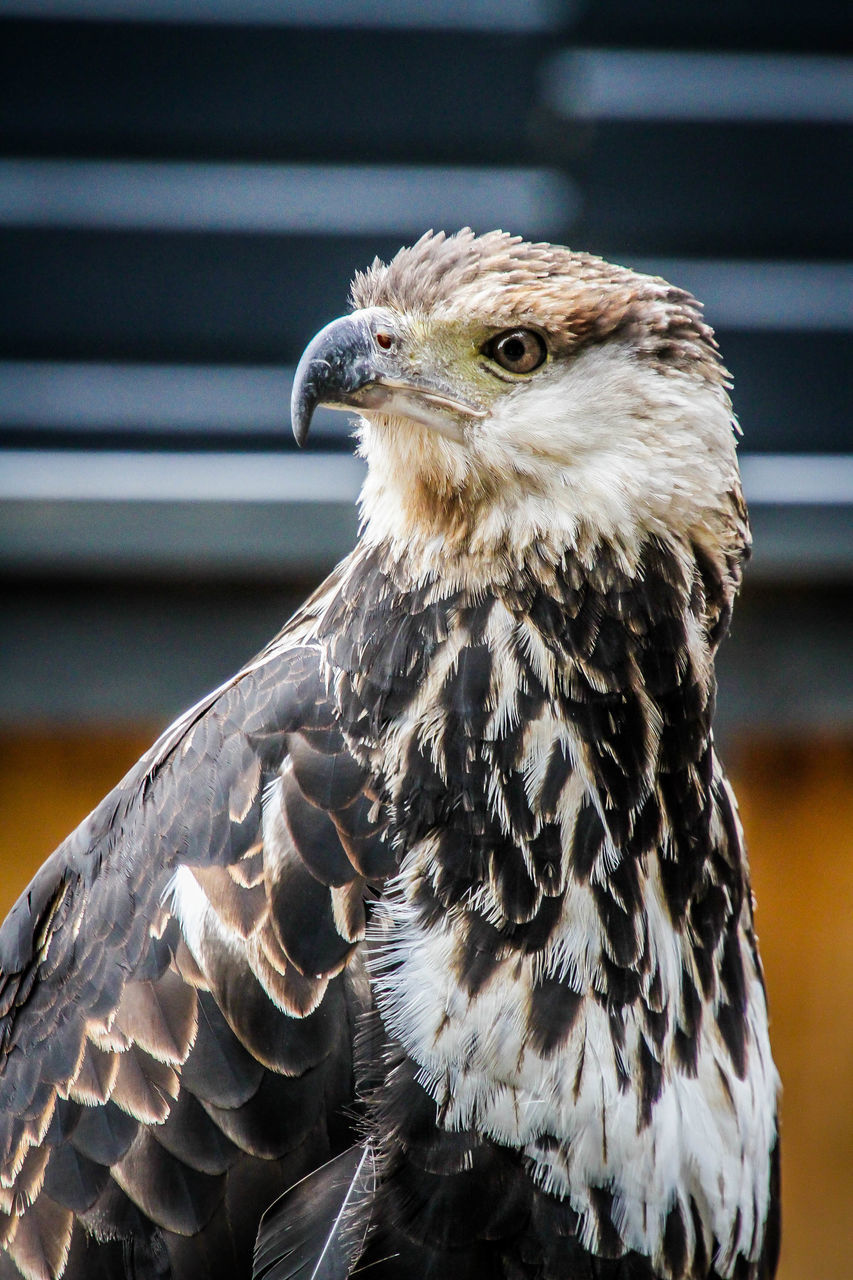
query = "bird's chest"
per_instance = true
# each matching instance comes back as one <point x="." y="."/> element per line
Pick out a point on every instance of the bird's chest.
<point x="547" y="771"/>
<point x="514" y="1039"/>
<point x="495" y="961"/>
<point x="527" y="960"/>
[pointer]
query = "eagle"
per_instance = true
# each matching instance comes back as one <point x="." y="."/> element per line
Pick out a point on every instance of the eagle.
<point x="424" y="946"/>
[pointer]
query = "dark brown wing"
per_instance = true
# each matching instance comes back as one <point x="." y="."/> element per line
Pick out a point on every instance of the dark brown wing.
<point x="178" y="987"/>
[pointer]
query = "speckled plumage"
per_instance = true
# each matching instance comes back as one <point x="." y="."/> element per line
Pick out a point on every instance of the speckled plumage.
<point x="448" y="886"/>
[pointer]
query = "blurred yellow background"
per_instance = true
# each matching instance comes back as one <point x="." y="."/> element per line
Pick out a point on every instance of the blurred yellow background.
<point x="796" y="801"/>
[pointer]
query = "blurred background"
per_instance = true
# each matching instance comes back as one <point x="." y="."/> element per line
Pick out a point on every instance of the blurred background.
<point x="186" y="187"/>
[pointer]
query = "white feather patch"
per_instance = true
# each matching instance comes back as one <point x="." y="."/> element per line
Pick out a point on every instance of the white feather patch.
<point x="702" y="1141"/>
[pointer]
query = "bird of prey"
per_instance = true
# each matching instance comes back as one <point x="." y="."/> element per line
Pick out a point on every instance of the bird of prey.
<point x="430" y="933"/>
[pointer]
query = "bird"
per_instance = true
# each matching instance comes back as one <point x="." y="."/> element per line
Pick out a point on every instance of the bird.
<point x="424" y="946"/>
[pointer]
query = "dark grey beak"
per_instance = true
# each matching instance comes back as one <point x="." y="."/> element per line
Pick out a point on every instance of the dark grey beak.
<point x="335" y="366"/>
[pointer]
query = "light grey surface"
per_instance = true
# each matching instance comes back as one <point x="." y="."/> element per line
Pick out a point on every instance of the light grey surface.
<point x="622" y="84"/>
<point x="91" y="396"/>
<point x="40" y="475"/>
<point x="276" y="199"/>
<point x="760" y="296"/>
<point x="797" y="479"/>
<point x="130" y="476"/>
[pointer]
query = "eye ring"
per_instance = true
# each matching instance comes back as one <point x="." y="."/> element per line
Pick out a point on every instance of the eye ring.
<point x="519" y="351"/>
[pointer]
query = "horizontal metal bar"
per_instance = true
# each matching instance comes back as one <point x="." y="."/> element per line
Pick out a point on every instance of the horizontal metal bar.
<point x="130" y="476"/>
<point x="127" y="477"/>
<point x="741" y="88"/>
<point x="764" y="295"/>
<point x="471" y="15"/>
<point x="282" y="199"/>
<point x="800" y="479"/>
<point x="211" y="399"/>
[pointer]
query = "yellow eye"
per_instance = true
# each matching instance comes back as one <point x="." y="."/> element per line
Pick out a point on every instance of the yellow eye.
<point x="517" y="350"/>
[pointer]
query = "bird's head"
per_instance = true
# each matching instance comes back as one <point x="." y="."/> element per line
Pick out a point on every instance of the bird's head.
<point x="512" y="393"/>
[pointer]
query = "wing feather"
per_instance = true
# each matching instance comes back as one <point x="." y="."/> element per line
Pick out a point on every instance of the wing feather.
<point x="317" y="1229"/>
<point x="176" y="1020"/>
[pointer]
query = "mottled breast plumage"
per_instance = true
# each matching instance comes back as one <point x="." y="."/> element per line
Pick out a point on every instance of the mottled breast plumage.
<point x="564" y="964"/>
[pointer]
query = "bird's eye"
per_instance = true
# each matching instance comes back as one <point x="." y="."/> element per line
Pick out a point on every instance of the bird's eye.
<point x="517" y="350"/>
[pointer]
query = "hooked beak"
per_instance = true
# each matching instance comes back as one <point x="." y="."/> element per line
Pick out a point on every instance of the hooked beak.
<point x="344" y="367"/>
